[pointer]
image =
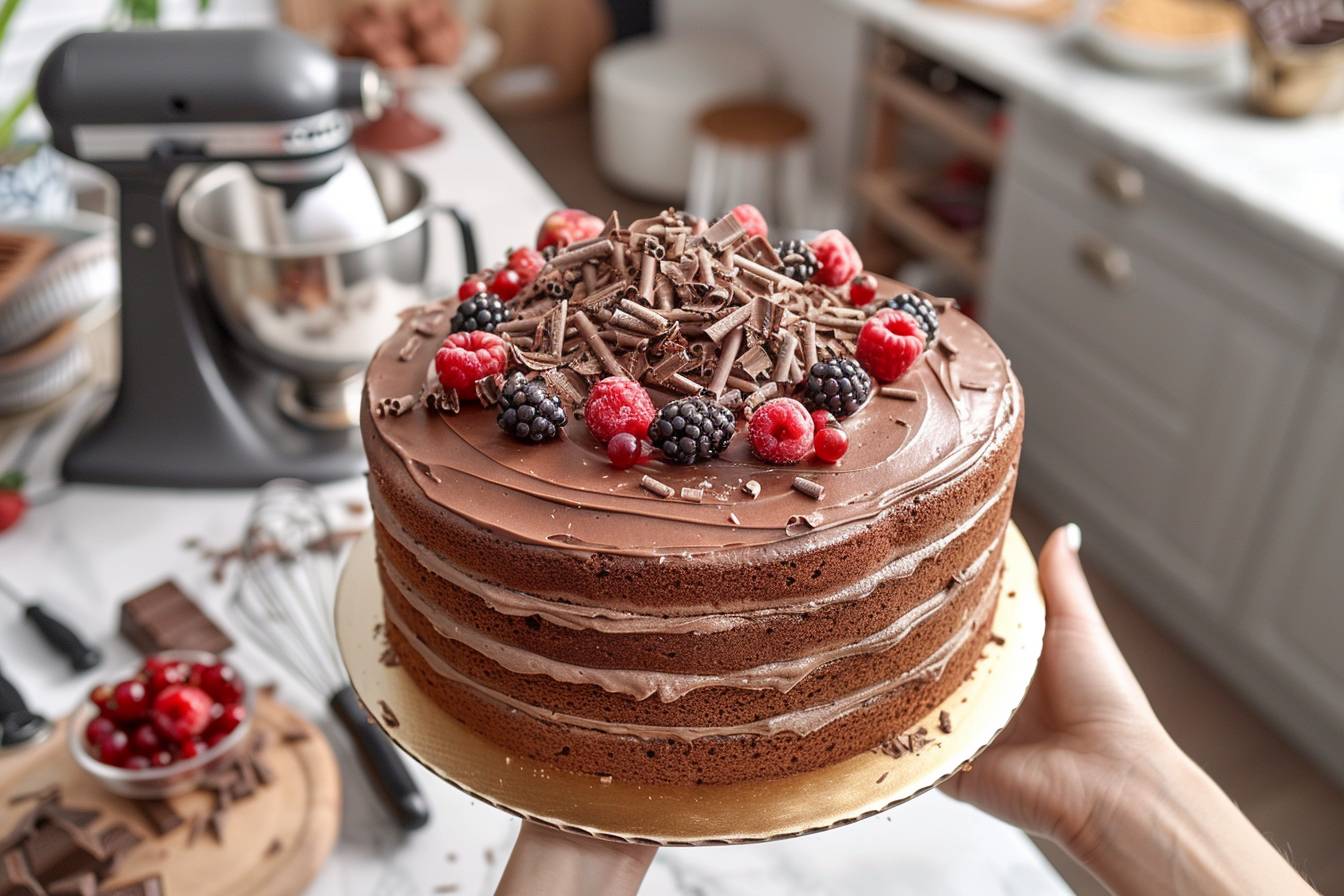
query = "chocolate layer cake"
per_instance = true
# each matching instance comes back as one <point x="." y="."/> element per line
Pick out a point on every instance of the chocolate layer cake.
<point x="708" y="622"/>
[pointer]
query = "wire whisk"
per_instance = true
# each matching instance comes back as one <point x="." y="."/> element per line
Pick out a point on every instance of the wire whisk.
<point x="290" y="565"/>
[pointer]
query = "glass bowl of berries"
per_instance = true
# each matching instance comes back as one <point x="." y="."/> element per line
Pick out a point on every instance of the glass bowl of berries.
<point x="159" y="729"/>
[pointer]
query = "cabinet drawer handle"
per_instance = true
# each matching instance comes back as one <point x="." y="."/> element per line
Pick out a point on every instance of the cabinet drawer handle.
<point x="1121" y="183"/>
<point x="1108" y="263"/>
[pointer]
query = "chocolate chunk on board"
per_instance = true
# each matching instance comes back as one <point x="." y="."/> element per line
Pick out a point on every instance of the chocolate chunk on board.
<point x="161" y="816"/>
<point x="77" y="885"/>
<point x="16" y="878"/>
<point x="56" y="850"/>
<point x="117" y="840"/>
<point x="146" y="886"/>
<point x="165" y="618"/>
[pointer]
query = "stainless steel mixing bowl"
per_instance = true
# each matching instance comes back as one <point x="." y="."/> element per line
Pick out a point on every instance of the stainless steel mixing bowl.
<point x="315" y="310"/>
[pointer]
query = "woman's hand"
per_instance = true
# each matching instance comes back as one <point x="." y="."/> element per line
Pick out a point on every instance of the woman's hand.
<point x="545" y="860"/>
<point x="1085" y="729"/>
<point x="1087" y="763"/>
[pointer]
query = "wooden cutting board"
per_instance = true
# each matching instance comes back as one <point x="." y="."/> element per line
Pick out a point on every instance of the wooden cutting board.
<point x="274" y="841"/>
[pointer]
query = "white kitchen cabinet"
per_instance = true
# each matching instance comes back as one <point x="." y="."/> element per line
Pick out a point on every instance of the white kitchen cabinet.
<point x="1166" y="351"/>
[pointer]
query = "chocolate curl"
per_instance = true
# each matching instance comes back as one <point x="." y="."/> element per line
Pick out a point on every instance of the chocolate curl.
<point x="898" y="393"/>
<point x="809" y="344"/>
<point x="551" y="331"/>
<point x="563" y="386"/>
<point x="571" y="345"/>
<point x="693" y="494"/>
<point x="397" y="406"/>
<point x="670" y="366"/>
<point x="410" y="347"/>
<point x="627" y="321"/>
<point x="489" y="388"/>
<point x="603" y="296"/>
<point x="813" y="490"/>
<point x="523" y="325"/>
<point x="725" y="325"/>
<point x="622" y="339"/>
<point x="748" y="386"/>
<point x="751" y="488"/>
<point x="677" y="245"/>
<point x="648" y="315"/>
<point x="661" y="489"/>
<point x="706" y="271"/>
<point x="838" y="323"/>
<point x="727" y="355"/>
<point x="784" y="357"/>
<point x="618" y="256"/>
<point x="575" y="256"/>
<point x="600" y="348"/>
<point x="732" y="399"/>
<point x="763" y="272"/>
<point x="648" y="266"/>
<point x="763" y="394"/>
<point x="740" y="295"/>
<point x="683" y="383"/>
<point x="558" y="289"/>
<point x="725" y="233"/>
<point x="590" y="277"/>
<point x="524" y="342"/>
<point x="663" y="295"/>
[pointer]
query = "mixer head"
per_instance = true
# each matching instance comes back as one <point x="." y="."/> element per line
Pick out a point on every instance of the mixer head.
<point x="139" y="100"/>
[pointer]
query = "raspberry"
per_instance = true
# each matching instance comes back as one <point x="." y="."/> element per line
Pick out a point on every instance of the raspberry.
<point x="750" y="217"/>
<point x="483" y="311"/>
<point x="567" y="225"/>
<point x="839" y="386"/>
<point x="839" y="260"/>
<point x="921" y="309"/>
<point x="528" y="412"/>
<point x="465" y="358"/>
<point x="526" y="262"/>
<point x="617" y="404"/>
<point x="862" y="289"/>
<point x="688" y="430"/>
<point x="506" y="284"/>
<point x="889" y="344"/>
<point x="781" y="431"/>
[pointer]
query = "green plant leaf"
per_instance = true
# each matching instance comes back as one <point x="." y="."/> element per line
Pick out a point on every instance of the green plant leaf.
<point x="7" y="10"/>
<point x="11" y="481"/>
<point x="10" y="119"/>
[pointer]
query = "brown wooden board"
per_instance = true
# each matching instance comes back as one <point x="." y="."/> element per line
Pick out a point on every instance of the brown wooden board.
<point x="274" y="842"/>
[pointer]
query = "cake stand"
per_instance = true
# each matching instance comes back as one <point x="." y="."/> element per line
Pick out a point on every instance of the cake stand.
<point x="692" y="815"/>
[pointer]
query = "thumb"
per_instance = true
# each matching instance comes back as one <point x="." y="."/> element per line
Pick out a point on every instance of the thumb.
<point x="1063" y="582"/>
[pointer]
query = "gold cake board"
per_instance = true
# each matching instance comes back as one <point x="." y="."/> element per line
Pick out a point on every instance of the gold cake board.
<point x="689" y="815"/>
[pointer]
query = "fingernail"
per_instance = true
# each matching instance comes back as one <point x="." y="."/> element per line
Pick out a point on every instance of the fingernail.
<point x="1073" y="537"/>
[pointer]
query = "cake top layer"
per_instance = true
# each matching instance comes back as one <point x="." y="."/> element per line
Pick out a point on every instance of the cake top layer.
<point x="954" y="404"/>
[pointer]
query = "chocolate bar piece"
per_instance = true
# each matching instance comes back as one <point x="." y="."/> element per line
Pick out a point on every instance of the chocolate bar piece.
<point x="165" y="618"/>
<point x="16" y="878"/>
<point x="57" y="850"/>
<point x="78" y="885"/>
<point x="162" y="817"/>
<point x="116" y="840"/>
<point x="71" y="815"/>
<point x="147" y="886"/>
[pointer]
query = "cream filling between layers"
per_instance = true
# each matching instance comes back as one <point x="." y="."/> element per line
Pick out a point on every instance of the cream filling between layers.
<point x="512" y="602"/>
<point x="800" y="722"/>
<point x="782" y="675"/>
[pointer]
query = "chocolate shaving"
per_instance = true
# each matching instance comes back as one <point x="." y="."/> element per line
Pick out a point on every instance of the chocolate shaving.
<point x="945" y="721"/>
<point x="898" y="393"/>
<point x="693" y="494"/>
<point x="813" y="490"/>
<point x="388" y="716"/>
<point x="948" y="347"/>
<point x="661" y="489"/>
<point x="573" y="257"/>
<point x="595" y="342"/>
<point x="724" y="233"/>
<point x="798" y="524"/>
<point x="784" y="358"/>
<point x="751" y="488"/>
<point x="488" y="389"/>
<point x="410" y="347"/>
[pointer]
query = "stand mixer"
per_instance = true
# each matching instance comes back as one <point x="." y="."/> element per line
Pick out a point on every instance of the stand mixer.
<point x="240" y="359"/>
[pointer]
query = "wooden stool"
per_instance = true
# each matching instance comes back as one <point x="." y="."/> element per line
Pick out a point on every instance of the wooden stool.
<point x="755" y="151"/>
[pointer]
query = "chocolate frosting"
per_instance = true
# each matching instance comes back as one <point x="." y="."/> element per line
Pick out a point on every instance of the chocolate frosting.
<point x="566" y="495"/>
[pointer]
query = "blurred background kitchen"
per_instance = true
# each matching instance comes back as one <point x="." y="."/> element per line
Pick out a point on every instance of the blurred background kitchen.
<point x="1141" y="199"/>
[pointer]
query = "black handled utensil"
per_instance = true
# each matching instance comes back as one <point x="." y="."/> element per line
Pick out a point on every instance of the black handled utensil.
<point x="290" y="563"/>
<point x="18" y="724"/>
<point x="56" y="633"/>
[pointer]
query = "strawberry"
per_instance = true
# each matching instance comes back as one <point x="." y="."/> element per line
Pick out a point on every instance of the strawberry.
<point x="12" y="503"/>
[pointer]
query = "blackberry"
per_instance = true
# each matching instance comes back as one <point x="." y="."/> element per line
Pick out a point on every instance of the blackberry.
<point x="797" y="260"/>
<point x="687" y="430"/>
<point x="921" y="309"/>
<point x="484" y="311"/>
<point x="527" y="411"/>
<point x="839" y="385"/>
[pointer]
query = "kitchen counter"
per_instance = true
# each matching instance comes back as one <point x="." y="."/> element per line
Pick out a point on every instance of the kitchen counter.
<point x="1283" y="174"/>
<point x="78" y="551"/>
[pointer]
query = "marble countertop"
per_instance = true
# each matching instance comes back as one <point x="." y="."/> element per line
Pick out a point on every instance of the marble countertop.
<point x="1282" y="176"/>
<point x="77" y="551"/>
